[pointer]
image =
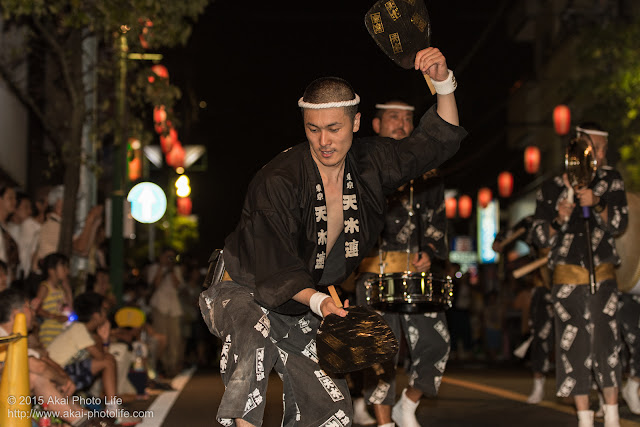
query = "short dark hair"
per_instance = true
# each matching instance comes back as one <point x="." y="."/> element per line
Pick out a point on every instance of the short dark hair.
<point x="11" y="299"/>
<point x="86" y="304"/>
<point x="3" y="266"/>
<point x="331" y="89"/>
<point x="52" y="260"/>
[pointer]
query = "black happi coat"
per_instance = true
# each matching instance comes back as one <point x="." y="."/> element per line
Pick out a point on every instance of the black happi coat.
<point x="568" y="245"/>
<point x="277" y="247"/>
<point x="428" y="224"/>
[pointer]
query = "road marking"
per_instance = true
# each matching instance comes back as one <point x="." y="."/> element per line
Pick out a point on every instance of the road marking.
<point x="507" y="394"/>
<point x="163" y="403"/>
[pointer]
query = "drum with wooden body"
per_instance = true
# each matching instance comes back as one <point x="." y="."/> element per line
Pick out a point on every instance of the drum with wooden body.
<point x="409" y="292"/>
<point x="628" y="246"/>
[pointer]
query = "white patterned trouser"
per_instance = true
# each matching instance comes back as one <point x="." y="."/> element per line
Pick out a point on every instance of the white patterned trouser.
<point x="587" y="338"/>
<point x="428" y="342"/>
<point x="255" y="341"/>
<point x="542" y="329"/>
<point x="629" y="320"/>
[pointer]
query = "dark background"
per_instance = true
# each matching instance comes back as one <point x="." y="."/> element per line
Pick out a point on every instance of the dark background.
<point x="251" y="61"/>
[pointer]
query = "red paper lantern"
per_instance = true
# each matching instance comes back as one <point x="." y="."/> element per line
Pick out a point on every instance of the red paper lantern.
<point x="561" y="119"/>
<point x="145" y="33"/>
<point x="175" y="157"/>
<point x="450" y="205"/>
<point x="167" y="142"/>
<point x="184" y="205"/>
<point x="505" y="184"/>
<point x="160" y="71"/>
<point x="159" y="114"/>
<point x="135" y="169"/>
<point x="484" y="196"/>
<point x="464" y="206"/>
<point x="531" y="159"/>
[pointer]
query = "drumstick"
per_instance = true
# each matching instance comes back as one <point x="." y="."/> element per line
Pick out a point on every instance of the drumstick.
<point x="334" y="295"/>
<point x="513" y="236"/>
<point x="526" y="269"/>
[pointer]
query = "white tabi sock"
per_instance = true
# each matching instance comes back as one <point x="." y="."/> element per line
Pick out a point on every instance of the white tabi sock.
<point x="585" y="418"/>
<point x="611" y="417"/>
<point x="537" y="394"/>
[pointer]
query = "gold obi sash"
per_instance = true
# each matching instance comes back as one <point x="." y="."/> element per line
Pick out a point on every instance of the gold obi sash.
<point x="393" y="262"/>
<point x="567" y="274"/>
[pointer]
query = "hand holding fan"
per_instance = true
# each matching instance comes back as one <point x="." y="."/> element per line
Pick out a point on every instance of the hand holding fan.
<point x="354" y="342"/>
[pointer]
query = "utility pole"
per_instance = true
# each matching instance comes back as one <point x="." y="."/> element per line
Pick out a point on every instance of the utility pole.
<point x="116" y="242"/>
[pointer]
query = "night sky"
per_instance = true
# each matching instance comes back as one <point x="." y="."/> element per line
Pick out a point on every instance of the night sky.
<point x="250" y="62"/>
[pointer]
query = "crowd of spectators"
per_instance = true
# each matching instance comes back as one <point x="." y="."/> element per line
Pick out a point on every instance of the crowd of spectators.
<point x="82" y="340"/>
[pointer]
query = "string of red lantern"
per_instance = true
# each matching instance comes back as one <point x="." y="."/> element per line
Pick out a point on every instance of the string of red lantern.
<point x="561" y="119"/>
<point x="465" y="205"/>
<point x="169" y="142"/>
<point x="484" y="197"/>
<point x="450" y="205"/>
<point x="505" y="184"/>
<point x="531" y="159"/>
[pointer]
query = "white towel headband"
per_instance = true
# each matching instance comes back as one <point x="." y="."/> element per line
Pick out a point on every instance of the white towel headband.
<point x="395" y="107"/>
<point x="312" y="106"/>
<point x="591" y="131"/>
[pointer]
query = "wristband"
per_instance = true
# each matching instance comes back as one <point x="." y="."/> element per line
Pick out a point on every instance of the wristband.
<point x="315" y="301"/>
<point x="446" y="86"/>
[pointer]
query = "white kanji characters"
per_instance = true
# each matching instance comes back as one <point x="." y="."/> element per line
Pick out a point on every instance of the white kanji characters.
<point x="320" y="257"/>
<point x="352" y="226"/>
<point x="260" y="374"/>
<point x="322" y="237"/>
<point x="351" y="248"/>
<point x="349" y="202"/>
<point x="318" y="188"/>
<point x="350" y="185"/>
<point x="321" y="213"/>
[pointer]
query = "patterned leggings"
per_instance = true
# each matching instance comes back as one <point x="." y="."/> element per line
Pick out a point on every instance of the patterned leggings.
<point x="587" y="338"/>
<point x="255" y="341"/>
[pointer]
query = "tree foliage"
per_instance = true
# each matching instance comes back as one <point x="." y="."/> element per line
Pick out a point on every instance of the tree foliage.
<point x="609" y="86"/>
<point x="50" y="36"/>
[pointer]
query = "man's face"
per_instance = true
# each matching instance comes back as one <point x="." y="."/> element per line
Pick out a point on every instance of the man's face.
<point x="168" y="258"/>
<point x="330" y="134"/>
<point x="600" y="144"/>
<point x="102" y="284"/>
<point x="28" y="310"/>
<point x="23" y="211"/>
<point x="396" y="124"/>
<point x="8" y="200"/>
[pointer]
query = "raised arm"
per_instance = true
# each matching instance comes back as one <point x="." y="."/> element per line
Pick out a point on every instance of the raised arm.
<point x="433" y="63"/>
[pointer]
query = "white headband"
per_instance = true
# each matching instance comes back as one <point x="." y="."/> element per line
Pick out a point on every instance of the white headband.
<point x="591" y="131"/>
<point x="395" y="107"/>
<point x="312" y="106"/>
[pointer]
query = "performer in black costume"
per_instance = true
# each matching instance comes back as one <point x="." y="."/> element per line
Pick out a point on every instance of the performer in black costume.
<point x="587" y="333"/>
<point x="309" y="217"/>
<point x="415" y="221"/>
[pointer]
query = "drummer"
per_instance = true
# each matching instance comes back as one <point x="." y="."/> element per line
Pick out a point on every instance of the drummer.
<point x="587" y="332"/>
<point x="306" y="224"/>
<point x="421" y="228"/>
